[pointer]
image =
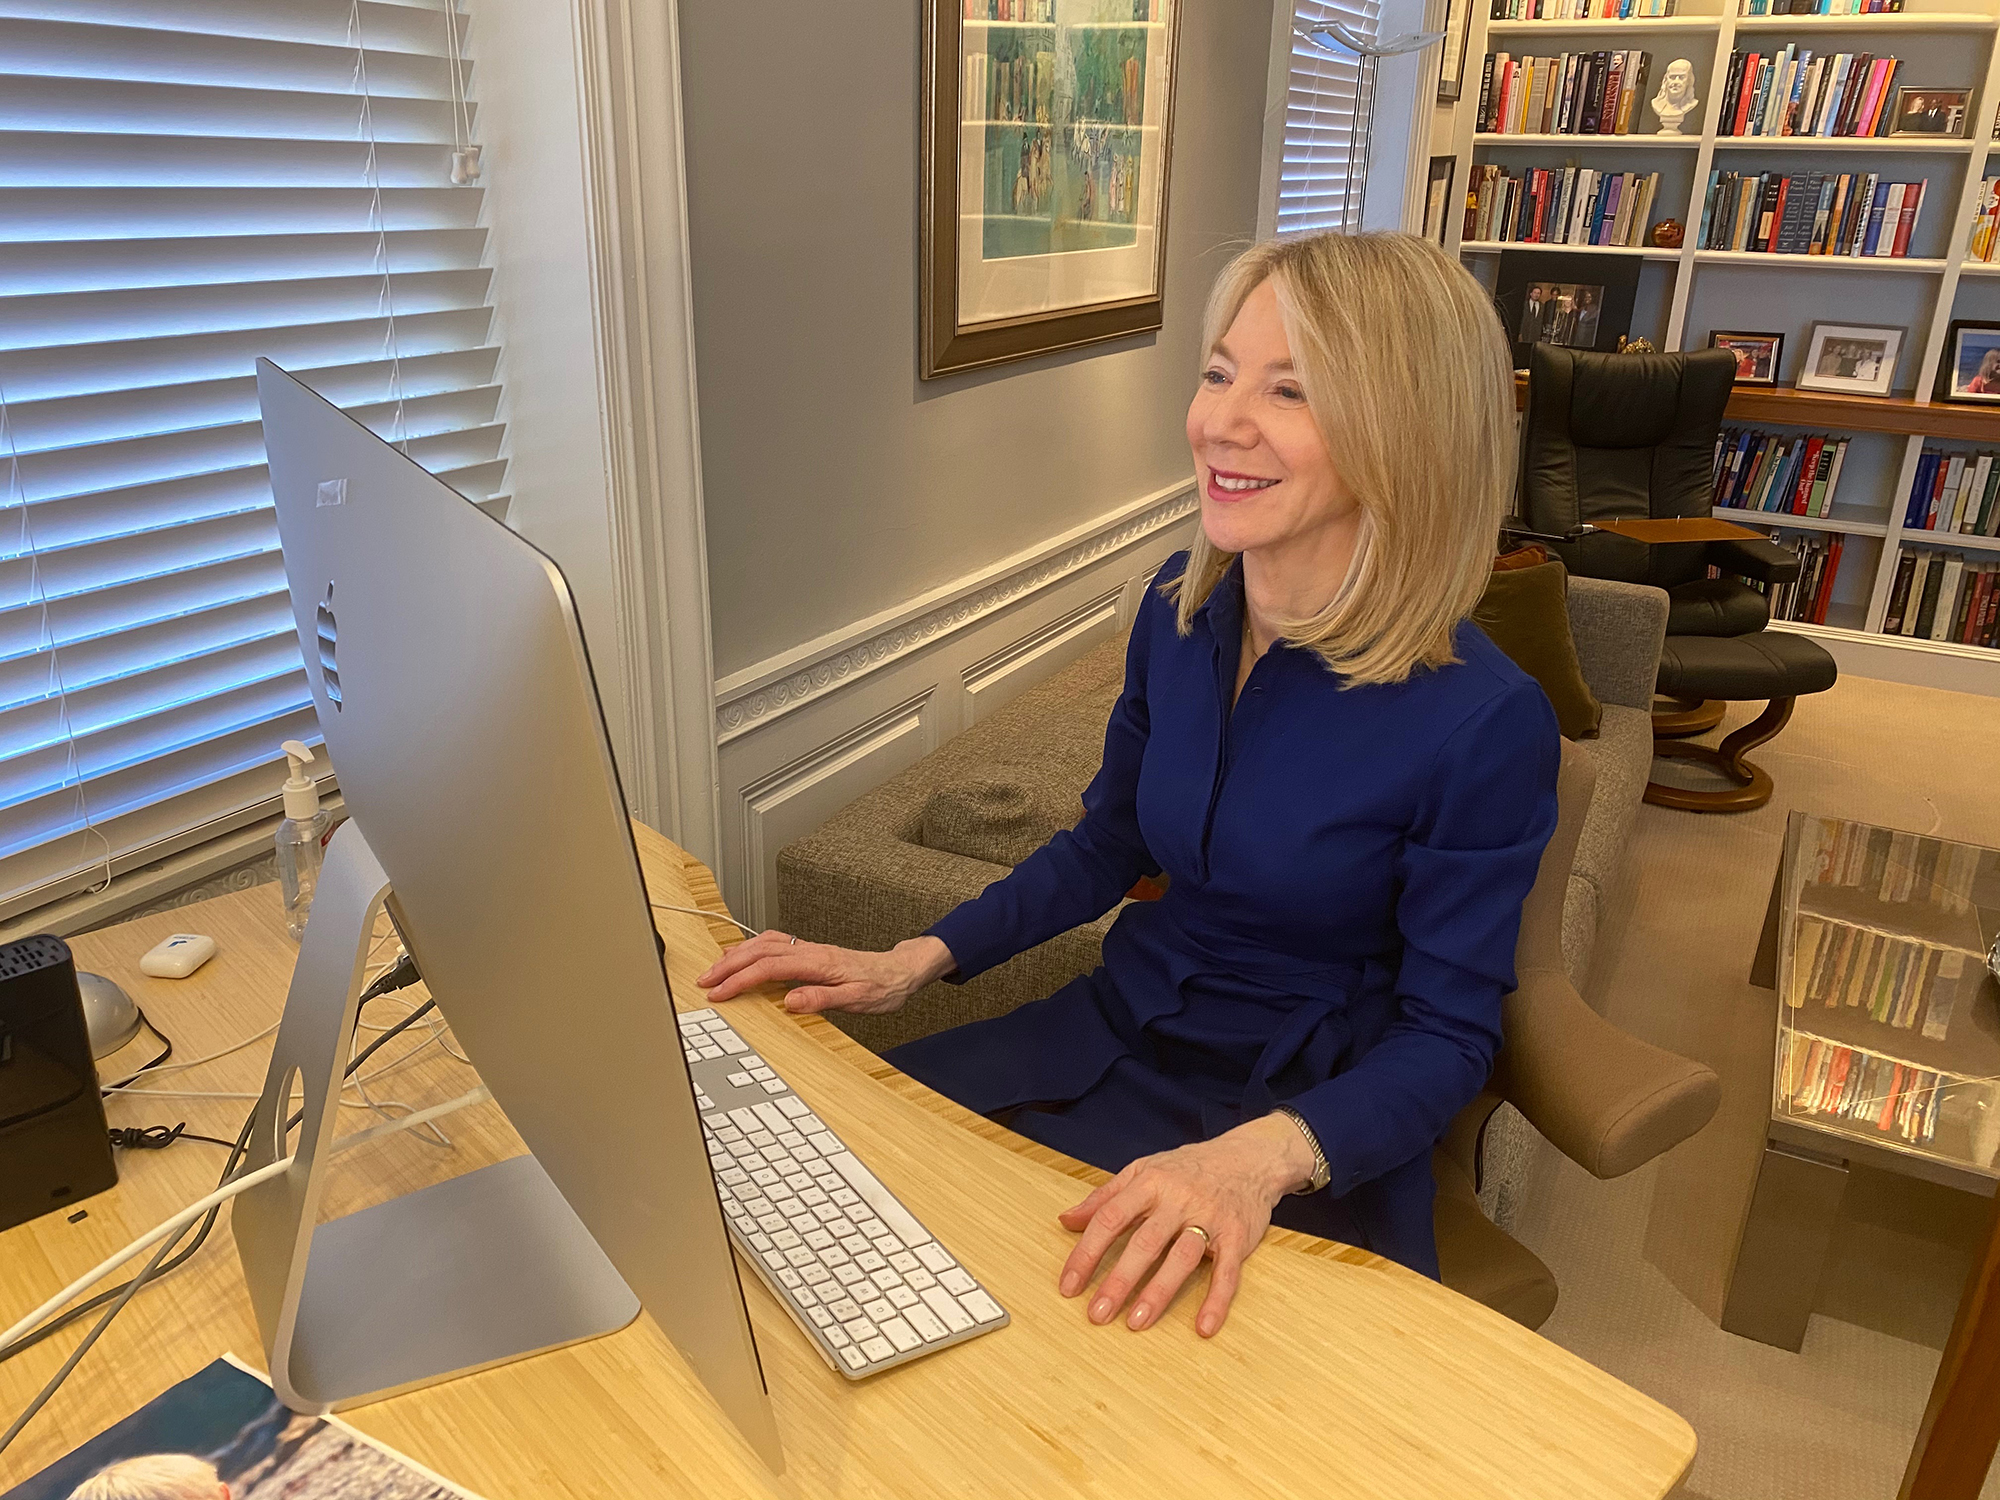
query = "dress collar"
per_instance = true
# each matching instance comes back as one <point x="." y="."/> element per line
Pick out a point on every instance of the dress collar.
<point x="1223" y="608"/>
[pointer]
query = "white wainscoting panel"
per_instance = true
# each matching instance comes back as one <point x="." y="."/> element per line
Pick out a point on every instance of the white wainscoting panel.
<point x="801" y="736"/>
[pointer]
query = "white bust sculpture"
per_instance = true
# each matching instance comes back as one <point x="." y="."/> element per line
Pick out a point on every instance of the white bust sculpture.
<point x="1675" y="100"/>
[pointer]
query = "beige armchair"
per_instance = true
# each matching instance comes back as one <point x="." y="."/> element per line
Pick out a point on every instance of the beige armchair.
<point x="1605" y="1099"/>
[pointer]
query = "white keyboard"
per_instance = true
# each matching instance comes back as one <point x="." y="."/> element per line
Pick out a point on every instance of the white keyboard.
<point x="869" y="1284"/>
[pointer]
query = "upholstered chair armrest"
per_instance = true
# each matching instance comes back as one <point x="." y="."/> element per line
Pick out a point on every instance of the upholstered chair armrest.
<point x="1608" y="1101"/>
<point x="1754" y="557"/>
<point x="1619" y="629"/>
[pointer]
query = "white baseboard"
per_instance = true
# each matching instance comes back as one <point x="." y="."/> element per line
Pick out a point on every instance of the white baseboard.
<point x="1894" y="658"/>
<point x="805" y="732"/>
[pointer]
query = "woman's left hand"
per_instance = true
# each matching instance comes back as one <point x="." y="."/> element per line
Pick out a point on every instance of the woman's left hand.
<point x="1227" y="1186"/>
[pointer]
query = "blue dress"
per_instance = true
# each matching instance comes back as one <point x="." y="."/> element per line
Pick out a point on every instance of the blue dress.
<point x="1347" y="870"/>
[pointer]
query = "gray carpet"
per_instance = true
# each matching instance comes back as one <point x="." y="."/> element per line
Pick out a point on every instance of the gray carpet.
<point x="1643" y="1262"/>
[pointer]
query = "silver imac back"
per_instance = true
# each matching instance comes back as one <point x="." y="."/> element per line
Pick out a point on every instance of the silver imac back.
<point x="449" y="670"/>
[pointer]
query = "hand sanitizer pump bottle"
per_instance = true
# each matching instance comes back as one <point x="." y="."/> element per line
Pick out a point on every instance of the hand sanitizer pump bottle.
<point x="301" y="840"/>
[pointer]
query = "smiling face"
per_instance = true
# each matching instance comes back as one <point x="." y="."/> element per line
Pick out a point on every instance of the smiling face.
<point x="1268" y="485"/>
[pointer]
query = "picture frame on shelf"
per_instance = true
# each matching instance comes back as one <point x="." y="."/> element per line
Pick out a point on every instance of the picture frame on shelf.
<point x="1046" y="139"/>
<point x="1853" y="359"/>
<point x="1437" y="197"/>
<point x="1451" y="56"/>
<point x="1758" y="355"/>
<point x="1578" y="301"/>
<point x="1970" y="368"/>
<point x="1939" y="113"/>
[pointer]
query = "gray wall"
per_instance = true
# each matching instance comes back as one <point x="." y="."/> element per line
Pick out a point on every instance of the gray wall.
<point x="837" y="484"/>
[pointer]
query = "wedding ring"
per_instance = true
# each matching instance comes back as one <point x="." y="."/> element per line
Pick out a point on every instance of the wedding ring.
<point x="795" y="942"/>
<point x="1207" y="1244"/>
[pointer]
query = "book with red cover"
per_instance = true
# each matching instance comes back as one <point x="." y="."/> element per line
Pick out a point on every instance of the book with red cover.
<point x="1906" y="221"/>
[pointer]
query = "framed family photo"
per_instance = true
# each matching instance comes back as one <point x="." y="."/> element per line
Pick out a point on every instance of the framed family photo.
<point x="1451" y="58"/>
<point x="1970" y="369"/>
<point x="1577" y="301"/>
<point x="1934" y="112"/>
<point x="1855" y="359"/>
<point x="1758" y="355"/>
<point x="1047" y="127"/>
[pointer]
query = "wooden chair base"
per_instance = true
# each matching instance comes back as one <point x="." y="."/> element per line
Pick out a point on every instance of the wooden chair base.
<point x="1686" y="716"/>
<point x="1753" y="787"/>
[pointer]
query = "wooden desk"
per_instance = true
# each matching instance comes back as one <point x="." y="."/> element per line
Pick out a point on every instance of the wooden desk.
<point x="1337" y="1374"/>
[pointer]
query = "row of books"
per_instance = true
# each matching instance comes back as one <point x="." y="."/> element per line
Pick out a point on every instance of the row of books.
<point x="1985" y="222"/>
<point x="1571" y="93"/>
<point x="1019" y="87"/>
<point x="1942" y="596"/>
<point x="1891" y="866"/>
<point x="1957" y="492"/>
<point x="1560" y="206"/>
<point x="1892" y="977"/>
<point x="1578" y="10"/>
<point x="1810" y="213"/>
<point x="1817" y="7"/>
<point x="1864" y="1088"/>
<point x="1795" y="93"/>
<point x="1011" y="10"/>
<point x="1793" y="475"/>
<point x="1807" y="597"/>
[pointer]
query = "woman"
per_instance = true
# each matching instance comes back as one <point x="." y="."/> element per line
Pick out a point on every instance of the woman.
<point x="158" y="1476"/>
<point x="1987" y="381"/>
<point x="1347" y="784"/>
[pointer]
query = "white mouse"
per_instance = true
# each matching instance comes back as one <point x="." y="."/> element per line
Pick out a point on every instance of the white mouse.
<point x="108" y="1012"/>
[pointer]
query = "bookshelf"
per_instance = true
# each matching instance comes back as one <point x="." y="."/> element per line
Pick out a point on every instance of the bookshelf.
<point x="1685" y="293"/>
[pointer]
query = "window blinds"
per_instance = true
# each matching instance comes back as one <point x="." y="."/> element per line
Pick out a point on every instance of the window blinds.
<point x="186" y="185"/>
<point x="1320" y="181"/>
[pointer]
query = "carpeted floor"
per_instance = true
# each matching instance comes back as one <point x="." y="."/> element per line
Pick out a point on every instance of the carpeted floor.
<point x="1643" y="1262"/>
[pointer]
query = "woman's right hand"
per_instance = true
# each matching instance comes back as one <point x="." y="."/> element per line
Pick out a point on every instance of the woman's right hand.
<point x="824" y="977"/>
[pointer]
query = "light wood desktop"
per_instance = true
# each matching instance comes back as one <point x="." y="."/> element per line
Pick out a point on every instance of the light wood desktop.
<point x="1338" y="1373"/>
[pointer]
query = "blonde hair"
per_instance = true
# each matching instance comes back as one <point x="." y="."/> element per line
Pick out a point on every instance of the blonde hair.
<point x="158" y="1476"/>
<point x="1407" y="373"/>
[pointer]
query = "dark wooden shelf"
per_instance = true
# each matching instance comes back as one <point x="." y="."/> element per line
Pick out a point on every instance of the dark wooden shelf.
<point x="1828" y="411"/>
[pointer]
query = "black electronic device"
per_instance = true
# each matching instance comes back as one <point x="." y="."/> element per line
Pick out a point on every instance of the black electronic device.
<point x="54" y="1149"/>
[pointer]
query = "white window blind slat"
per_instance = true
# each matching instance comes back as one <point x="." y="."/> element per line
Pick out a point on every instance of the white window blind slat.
<point x="1319" y="178"/>
<point x="186" y="185"/>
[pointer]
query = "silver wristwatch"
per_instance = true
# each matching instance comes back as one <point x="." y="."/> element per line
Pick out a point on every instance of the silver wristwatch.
<point x="1322" y="1174"/>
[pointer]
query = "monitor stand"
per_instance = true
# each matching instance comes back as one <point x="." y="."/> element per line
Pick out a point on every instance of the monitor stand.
<point x="440" y="1282"/>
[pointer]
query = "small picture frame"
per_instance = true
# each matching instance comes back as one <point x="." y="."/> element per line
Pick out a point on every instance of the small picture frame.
<point x="1970" y="369"/>
<point x="1758" y="355"/>
<point x="1576" y="300"/>
<point x="1932" y="112"/>
<point x="1853" y="359"/>
<point x="1437" y="198"/>
<point x="1451" y="59"/>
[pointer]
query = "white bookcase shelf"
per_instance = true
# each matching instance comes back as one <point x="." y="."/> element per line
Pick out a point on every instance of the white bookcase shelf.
<point x="1921" y="294"/>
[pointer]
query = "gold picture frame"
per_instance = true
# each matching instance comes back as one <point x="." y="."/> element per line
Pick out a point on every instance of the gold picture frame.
<point x="1047" y="132"/>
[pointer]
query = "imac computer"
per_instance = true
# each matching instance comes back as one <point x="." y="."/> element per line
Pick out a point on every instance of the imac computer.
<point x="453" y="687"/>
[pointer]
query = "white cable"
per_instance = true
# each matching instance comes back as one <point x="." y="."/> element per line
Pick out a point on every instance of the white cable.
<point x="221" y="1195"/>
<point x="118" y="1088"/>
<point x="696" y="911"/>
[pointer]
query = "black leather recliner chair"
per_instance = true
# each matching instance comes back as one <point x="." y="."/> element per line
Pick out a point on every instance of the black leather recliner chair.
<point x="1608" y="436"/>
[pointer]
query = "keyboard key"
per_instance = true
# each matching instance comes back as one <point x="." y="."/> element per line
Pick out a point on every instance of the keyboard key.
<point x="763" y="1140"/>
<point x="903" y="1297"/>
<point x="708" y="1053"/>
<point x="860" y="1329"/>
<point x="771" y="1223"/>
<point x="745" y="1121"/>
<point x="794" y="1106"/>
<point x="799" y="1257"/>
<point x="854" y="1244"/>
<point x="846" y="1311"/>
<point x="837" y="1336"/>
<point x="852" y="1357"/>
<point x="772" y="1086"/>
<point x="880" y="1309"/>
<point x="955" y="1280"/>
<point x="819" y="1239"/>
<point x="813" y="1196"/>
<point x="820" y="1316"/>
<point x="756" y="1068"/>
<point x="902" y="1335"/>
<point x="733" y="1175"/>
<point x="805" y="1297"/>
<point x="737" y="1080"/>
<point x="730" y="1042"/>
<point x="868" y="1260"/>
<point x="790" y="1277"/>
<point x="847" y="1198"/>
<point x="774" y="1258"/>
<point x="878" y="1350"/>
<point x="760" y="1242"/>
<point x="849" y="1274"/>
<point x="981" y="1306"/>
<point x="838" y="1227"/>
<point x="717" y="1120"/>
<point x="773" y="1118"/>
<point x="885" y="1278"/>
<point x="956" y="1318"/>
<point x="925" y="1322"/>
<point x="904" y="1261"/>
<point x="817" y="1275"/>
<point x="836" y="1258"/>
<point x="786" y="1239"/>
<point x="921" y="1279"/>
<point x="765" y="1176"/>
<point x="886" y="1245"/>
<point x="935" y="1256"/>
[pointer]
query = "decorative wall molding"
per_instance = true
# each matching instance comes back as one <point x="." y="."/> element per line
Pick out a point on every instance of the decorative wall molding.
<point x="1098" y="616"/>
<point x="746" y="699"/>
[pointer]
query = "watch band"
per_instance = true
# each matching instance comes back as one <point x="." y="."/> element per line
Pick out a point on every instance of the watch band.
<point x="1322" y="1174"/>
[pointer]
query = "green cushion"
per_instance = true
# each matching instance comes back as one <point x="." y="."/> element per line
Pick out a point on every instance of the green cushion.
<point x="1525" y="612"/>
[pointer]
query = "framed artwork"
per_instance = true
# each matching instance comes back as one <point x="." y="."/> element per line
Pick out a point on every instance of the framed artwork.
<point x="1047" y="127"/>
<point x="1578" y="301"/>
<point x="1437" y="198"/>
<point x="1857" y="360"/>
<point x="1935" y="112"/>
<point x="1451" y="57"/>
<point x="1970" y="369"/>
<point x="1758" y="355"/>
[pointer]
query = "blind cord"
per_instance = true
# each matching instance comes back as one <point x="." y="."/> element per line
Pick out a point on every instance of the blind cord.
<point x="367" y="126"/>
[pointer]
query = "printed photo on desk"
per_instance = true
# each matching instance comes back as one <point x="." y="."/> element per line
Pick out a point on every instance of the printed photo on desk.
<point x="221" y="1432"/>
<point x="1045" y="148"/>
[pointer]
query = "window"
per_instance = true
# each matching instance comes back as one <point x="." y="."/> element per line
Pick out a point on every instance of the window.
<point x="186" y="185"/>
<point x="1327" y="116"/>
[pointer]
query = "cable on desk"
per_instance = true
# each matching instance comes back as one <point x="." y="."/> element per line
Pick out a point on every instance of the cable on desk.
<point x="166" y="1051"/>
<point x="401" y="976"/>
<point x="696" y="911"/>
